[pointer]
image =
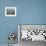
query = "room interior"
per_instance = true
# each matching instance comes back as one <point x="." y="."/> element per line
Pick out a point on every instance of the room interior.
<point x="23" y="12"/>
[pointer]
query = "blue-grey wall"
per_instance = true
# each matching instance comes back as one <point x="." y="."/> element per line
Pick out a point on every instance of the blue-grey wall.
<point x="28" y="12"/>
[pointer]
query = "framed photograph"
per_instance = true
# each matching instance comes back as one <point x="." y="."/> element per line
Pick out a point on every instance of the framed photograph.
<point x="10" y="11"/>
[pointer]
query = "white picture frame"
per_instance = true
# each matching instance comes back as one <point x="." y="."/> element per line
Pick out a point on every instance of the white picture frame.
<point x="10" y="11"/>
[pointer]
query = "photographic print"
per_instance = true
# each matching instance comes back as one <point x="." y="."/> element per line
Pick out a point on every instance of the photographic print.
<point x="10" y="11"/>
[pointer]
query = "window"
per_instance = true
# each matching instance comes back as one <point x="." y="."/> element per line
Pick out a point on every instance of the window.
<point x="10" y="11"/>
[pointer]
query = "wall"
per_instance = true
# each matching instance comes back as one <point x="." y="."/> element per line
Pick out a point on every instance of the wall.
<point x="28" y="12"/>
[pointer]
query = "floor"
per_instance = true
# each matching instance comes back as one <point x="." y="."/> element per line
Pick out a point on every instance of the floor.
<point x="30" y="43"/>
<point x="7" y="45"/>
